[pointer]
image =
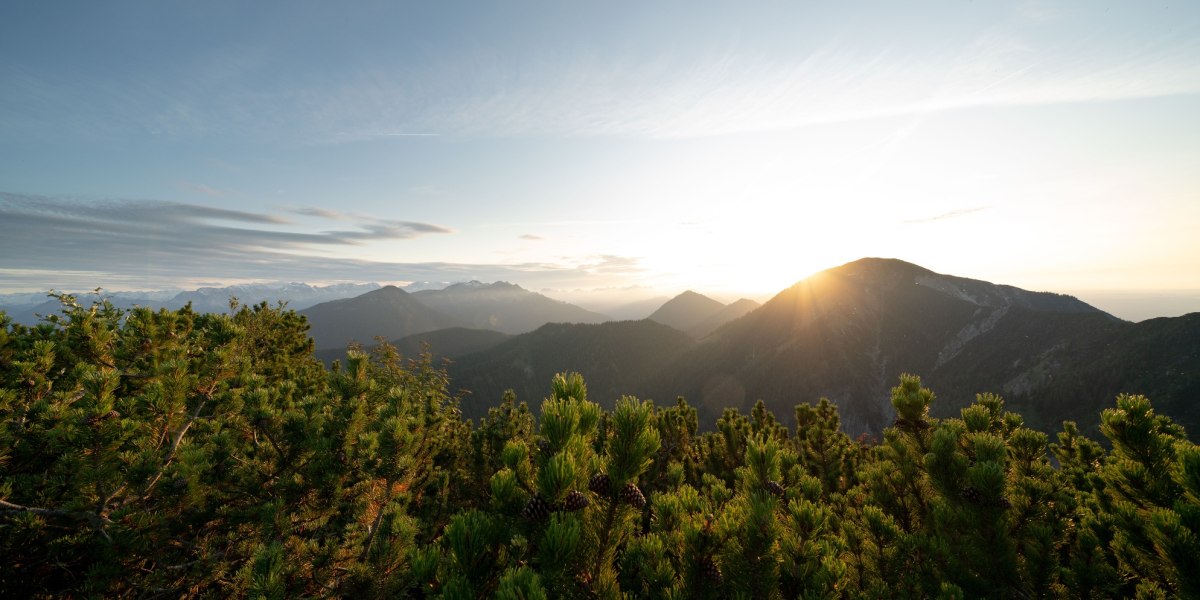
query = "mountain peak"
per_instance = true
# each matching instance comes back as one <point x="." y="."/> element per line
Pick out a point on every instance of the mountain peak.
<point x="388" y="311"/>
<point x="876" y="265"/>
<point x="686" y="310"/>
<point x="387" y="290"/>
<point x="475" y="284"/>
<point x="888" y="276"/>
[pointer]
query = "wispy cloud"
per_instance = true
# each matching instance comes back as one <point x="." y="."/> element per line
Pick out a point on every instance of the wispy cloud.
<point x="948" y="215"/>
<point x="370" y="228"/>
<point x="163" y="238"/>
<point x="73" y="245"/>
<point x="311" y="211"/>
<point x="531" y="237"/>
<point x="644" y="95"/>
<point x="612" y="264"/>
<point x="739" y="93"/>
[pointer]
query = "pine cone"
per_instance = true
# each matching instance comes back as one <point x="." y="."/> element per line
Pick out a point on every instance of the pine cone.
<point x="600" y="484"/>
<point x="971" y="495"/>
<point x="631" y="495"/>
<point x="775" y="488"/>
<point x="575" y="501"/>
<point x="536" y="509"/>
<point x="1004" y="503"/>
<point x="710" y="571"/>
<point x="544" y="446"/>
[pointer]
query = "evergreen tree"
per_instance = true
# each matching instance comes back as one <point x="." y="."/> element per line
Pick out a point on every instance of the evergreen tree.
<point x="170" y="453"/>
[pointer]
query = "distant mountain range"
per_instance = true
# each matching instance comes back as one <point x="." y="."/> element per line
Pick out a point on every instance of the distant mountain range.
<point x="502" y="306"/>
<point x="393" y="313"/>
<point x="26" y="308"/>
<point x="848" y="333"/>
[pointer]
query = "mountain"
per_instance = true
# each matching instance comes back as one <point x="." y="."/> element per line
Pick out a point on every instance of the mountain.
<point x="297" y="295"/>
<point x="685" y="310"/>
<point x="441" y="343"/>
<point x="615" y="358"/>
<point x="1076" y="379"/>
<point x="24" y="308"/>
<point x="848" y="333"/>
<point x="31" y="314"/>
<point x="28" y="309"/>
<point x="389" y="312"/>
<point x="698" y="315"/>
<point x="502" y="306"/>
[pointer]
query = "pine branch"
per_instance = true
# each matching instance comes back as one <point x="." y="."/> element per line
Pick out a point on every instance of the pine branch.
<point x="50" y="512"/>
<point x="603" y="549"/>
<point x="175" y="444"/>
<point x="387" y="498"/>
<point x="97" y="521"/>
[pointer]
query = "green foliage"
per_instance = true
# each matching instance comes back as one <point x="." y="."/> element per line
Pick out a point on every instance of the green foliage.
<point x="171" y="453"/>
<point x="174" y="451"/>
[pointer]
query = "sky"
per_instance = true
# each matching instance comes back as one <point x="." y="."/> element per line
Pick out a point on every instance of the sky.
<point x="615" y="150"/>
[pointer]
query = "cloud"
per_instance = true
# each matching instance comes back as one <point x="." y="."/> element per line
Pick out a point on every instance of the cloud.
<point x="743" y="92"/>
<point x="387" y="230"/>
<point x="948" y="215"/>
<point x="126" y="244"/>
<point x="370" y="228"/>
<point x="612" y="264"/>
<point x="531" y="237"/>
<point x="683" y="94"/>
<point x="322" y="213"/>
<point x="157" y="239"/>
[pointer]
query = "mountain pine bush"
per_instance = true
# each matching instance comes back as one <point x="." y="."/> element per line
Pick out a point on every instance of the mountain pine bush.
<point x="175" y="454"/>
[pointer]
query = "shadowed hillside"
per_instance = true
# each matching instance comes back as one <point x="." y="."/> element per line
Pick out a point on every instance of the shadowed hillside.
<point x="847" y="332"/>
<point x="387" y="312"/>
<point x="441" y="343"/>
<point x="615" y="357"/>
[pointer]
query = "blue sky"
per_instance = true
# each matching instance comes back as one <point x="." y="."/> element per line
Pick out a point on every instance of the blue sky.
<point x="601" y="148"/>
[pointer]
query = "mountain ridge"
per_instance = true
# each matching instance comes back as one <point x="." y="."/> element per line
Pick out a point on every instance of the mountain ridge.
<point x="848" y="333"/>
<point x="387" y="312"/>
<point x="502" y="306"/>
